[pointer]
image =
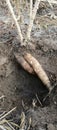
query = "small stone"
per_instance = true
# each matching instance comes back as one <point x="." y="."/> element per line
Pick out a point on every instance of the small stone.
<point x="55" y="102"/>
<point x="51" y="127"/>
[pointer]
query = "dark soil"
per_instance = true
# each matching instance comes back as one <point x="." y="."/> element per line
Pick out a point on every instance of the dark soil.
<point x="16" y="84"/>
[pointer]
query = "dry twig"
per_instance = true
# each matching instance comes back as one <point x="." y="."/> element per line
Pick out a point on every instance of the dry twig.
<point x="7" y="113"/>
<point x="30" y="122"/>
<point x="39" y="100"/>
<point x="22" y="124"/>
<point x="9" y="125"/>
<point x="2" y="97"/>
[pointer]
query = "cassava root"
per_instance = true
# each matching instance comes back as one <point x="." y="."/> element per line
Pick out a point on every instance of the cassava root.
<point x="24" y="63"/>
<point x="38" y="70"/>
<point x="31" y="65"/>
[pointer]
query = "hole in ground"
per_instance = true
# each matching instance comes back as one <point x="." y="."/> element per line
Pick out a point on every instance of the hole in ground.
<point x="29" y="86"/>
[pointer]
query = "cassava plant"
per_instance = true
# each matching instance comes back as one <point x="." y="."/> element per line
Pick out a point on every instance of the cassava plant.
<point x="33" y="11"/>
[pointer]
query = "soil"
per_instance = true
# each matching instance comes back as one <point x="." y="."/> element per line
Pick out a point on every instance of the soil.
<point x="16" y="84"/>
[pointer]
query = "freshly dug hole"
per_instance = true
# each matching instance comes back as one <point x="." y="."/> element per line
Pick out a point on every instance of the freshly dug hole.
<point x="32" y="66"/>
<point x="30" y="86"/>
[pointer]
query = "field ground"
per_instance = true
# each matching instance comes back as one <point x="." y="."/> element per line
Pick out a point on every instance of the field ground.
<point x="18" y="85"/>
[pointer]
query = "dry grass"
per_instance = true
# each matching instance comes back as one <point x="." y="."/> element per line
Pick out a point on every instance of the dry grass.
<point x="5" y="124"/>
<point x="10" y="125"/>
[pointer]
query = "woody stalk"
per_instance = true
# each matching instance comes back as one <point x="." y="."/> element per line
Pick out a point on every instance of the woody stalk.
<point x="33" y="11"/>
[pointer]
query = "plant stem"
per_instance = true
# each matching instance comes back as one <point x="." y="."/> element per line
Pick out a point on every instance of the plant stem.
<point x="15" y="20"/>
<point x="36" y="6"/>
